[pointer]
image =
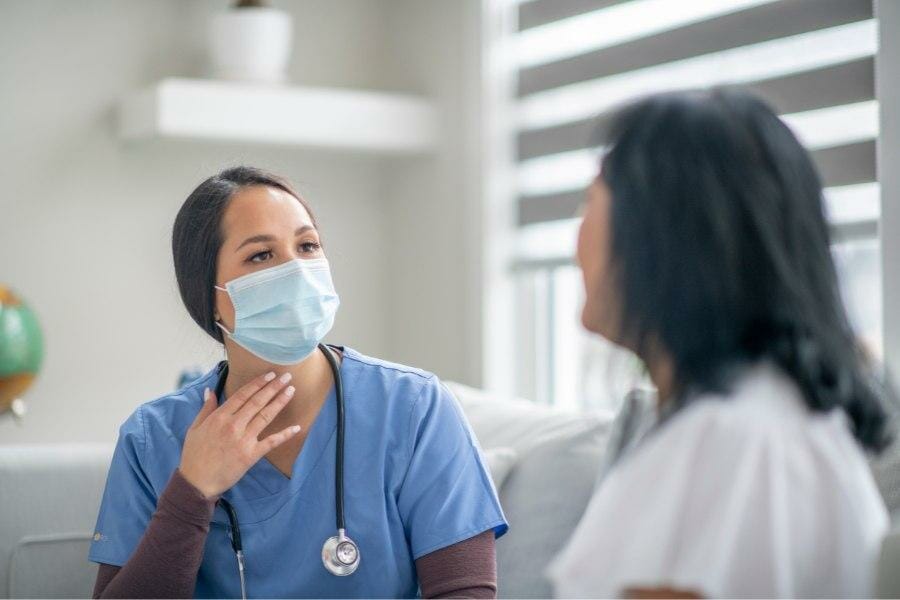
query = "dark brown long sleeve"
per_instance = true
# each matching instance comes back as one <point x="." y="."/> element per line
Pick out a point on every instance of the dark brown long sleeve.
<point x="467" y="569"/>
<point x="166" y="561"/>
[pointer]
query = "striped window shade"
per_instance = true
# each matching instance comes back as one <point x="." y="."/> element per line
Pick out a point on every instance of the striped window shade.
<point x="575" y="60"/>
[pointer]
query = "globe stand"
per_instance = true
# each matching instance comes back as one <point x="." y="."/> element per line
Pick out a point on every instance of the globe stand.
<point x="18" y="410"/>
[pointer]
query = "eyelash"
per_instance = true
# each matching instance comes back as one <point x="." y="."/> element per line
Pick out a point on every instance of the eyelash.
<point x="314" y="247"/>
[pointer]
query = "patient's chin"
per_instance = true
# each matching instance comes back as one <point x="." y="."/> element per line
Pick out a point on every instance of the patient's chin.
<point x="598" y="321"/>
<point x="587" y="320"/>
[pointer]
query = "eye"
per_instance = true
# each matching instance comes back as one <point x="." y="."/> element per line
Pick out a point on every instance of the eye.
<point x="260" y="256"/>
<point x="310" y="247"/>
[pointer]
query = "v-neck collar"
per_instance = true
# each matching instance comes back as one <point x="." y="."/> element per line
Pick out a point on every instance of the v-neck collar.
<point x="254" y="506"/>
<point x="316" y="440"/>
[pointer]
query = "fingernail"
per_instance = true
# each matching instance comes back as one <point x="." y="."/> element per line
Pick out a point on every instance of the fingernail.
<point x="290" y="390"/>
<point x="285" y="378"/>
<point x="205" y="394"/>
<point x="270" y="376"/>
<point x="295" y="429"/>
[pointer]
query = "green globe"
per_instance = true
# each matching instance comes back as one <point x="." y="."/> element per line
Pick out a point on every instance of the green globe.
<point x="21" y="347"/>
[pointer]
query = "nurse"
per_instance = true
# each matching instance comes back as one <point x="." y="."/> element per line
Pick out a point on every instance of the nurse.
<point x="418" y="499"/>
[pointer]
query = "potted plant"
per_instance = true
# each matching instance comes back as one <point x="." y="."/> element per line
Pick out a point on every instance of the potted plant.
<point x="250" y="41"/>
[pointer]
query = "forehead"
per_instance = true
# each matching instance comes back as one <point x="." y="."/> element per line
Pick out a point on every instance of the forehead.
<point x="262" y="209"/>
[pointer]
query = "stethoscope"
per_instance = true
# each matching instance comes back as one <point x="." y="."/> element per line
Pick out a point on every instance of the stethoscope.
<point x="340" y="554"/>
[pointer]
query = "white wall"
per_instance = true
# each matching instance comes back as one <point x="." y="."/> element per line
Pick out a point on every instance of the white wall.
<point x="435" y="205"/>
<point x="85" y="220"/>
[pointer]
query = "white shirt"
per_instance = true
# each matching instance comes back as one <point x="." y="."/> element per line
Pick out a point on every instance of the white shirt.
<point x="749" y="495"/>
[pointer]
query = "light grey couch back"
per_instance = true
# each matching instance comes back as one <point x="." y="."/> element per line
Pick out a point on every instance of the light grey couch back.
<point x="548" y="488"/>
<point x="49" y="496"/>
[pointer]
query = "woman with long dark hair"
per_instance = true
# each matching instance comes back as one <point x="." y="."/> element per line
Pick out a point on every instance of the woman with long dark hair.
<point x="705" y="250"/>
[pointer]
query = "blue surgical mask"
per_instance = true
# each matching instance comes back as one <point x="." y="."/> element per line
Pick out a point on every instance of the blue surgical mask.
<point x="283" y="312"/>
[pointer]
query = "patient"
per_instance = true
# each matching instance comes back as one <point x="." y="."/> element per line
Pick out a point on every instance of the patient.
<point x="704" y="250"/>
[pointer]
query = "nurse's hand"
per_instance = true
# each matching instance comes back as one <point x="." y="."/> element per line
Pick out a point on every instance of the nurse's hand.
<point x="222" y="443"/>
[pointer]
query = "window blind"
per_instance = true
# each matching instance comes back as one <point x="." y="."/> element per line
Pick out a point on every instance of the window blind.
<point x="576" y="60"/>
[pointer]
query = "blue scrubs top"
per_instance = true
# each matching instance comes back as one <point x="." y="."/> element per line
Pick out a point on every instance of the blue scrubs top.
<point x="415" y="481"/>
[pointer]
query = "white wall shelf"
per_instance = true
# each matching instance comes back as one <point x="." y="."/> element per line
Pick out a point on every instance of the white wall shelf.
<point x="313" y="117"/>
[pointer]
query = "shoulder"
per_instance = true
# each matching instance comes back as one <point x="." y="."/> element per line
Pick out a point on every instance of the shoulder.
<point x="385" y="368"/>
<point x="151" y="438"/>
<point x="406" y="385"/>
<point x="167" y="417"/>
<point x="761" y="405"/>
<point x="411" y="396"/>
<point x="758" y="431"/>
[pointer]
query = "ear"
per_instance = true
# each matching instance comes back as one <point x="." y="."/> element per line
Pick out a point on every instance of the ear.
<point x="216" y="316"/>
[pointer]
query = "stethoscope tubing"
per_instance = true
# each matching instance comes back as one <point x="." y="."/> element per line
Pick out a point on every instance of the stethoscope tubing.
<point x="235" y="530"/>
<point x="339" y="450"/>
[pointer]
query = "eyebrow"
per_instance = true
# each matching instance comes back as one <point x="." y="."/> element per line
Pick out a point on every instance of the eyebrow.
<point x="271" y="238"/>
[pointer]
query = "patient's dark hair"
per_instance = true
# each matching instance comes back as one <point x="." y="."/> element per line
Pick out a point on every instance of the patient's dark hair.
<point x="721" y="251"/>
<point x="197" y="237"/>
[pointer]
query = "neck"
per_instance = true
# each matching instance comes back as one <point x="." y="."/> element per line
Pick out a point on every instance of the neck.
<point x="311" y="377"/>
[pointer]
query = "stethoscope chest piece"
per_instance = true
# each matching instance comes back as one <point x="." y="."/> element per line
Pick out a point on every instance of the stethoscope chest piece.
<point x="340" y="554"/>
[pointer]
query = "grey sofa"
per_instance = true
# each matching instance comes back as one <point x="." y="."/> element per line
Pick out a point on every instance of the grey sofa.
<point x="49" y="497"/>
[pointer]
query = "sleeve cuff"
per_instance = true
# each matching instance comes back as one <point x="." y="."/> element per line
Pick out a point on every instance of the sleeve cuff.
<point x="187" y="502"/>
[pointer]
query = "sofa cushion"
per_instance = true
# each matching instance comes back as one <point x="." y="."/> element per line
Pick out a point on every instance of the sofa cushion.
<point x="51" y="566"/>
<point x="49" y="496"/>
<point x="500" y="462"/>
<point x="559" y="455"/>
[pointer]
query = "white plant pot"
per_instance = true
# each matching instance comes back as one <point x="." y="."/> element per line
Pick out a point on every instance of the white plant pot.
<point x="250" y="44"/>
